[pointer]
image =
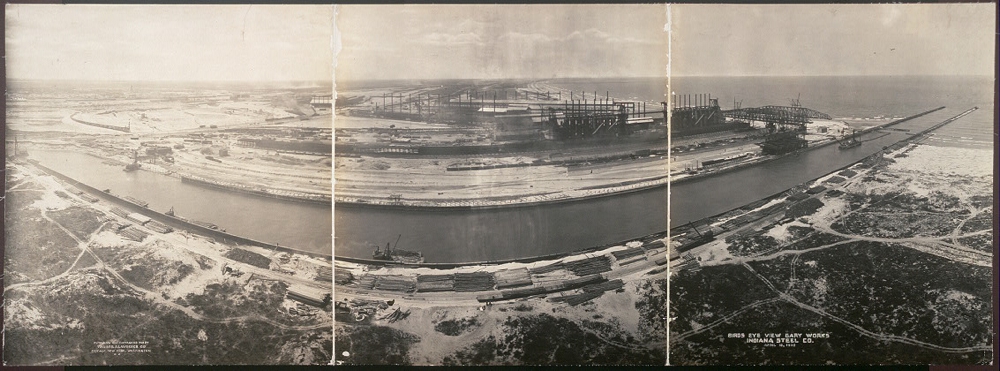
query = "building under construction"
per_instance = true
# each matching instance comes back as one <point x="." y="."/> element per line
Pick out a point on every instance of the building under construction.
<point x="524" y="115"/>
<point x="699" y="114"/>
<point x="784" y="126"/>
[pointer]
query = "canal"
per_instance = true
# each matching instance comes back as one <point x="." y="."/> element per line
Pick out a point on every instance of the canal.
<point x="303" y="226"/>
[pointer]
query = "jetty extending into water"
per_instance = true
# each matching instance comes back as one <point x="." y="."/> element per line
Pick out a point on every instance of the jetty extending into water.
<point x="124" y="129"/>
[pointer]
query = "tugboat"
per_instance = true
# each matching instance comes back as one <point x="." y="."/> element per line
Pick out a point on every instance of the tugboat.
<point x="850" y="142"/>
<point x="135" y="165"/>
<point x="397" y="255"/>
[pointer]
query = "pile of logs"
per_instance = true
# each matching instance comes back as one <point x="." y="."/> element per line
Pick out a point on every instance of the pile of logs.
<point x="134" y="234"/>
<point x="366" y="282"/>
<point x="476" y="281"/>
<point x="435" y="283"/>
<point x="119" y="211"/>
<point x="509" y="278"/>
<point x="395" y="283"/>
<point x="342" y="275"/>
<point x="627" y="253"/>
<point x="546" y="268"/>
<point x="658" y="244"/>
<point x="585" y="267"/>
<point x="159" y="227"/>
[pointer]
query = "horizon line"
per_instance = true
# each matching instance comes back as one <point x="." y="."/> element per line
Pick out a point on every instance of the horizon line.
<point x="166" y="81"/>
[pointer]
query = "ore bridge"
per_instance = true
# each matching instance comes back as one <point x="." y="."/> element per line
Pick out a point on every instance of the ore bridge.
<point x="777" y="115"/>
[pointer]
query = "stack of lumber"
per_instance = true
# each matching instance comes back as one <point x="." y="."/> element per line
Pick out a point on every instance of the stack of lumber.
<point x="585" y="267"/>
<point x="366" y="282"/>
<point x="582" y="281"/>
<point x="395" y="283"/>
<point x="134" y="234"/>
<point x="476" y="281"/>
<point x="119" y="211"/>
<point x="546" y="268"/>
<point x="508" y="278"/>
<point x="159" y="227"/>
<point x="557" y="277"/>
<point x="652" y="245"/>
<point x="653" y="237"/>
<point x="623" y="263"/>
<point x="522" y="292"/>
<point x="342" y="275"/>
<point x="627" y="253"/>
<point x="435" y="282"/>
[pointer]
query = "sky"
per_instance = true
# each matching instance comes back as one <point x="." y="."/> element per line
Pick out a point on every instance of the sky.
<point x="864" y="39"/>
<point x="500" y="41"/>
<point x="169" y="42"/>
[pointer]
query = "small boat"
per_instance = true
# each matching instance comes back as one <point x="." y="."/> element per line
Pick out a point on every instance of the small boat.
<point x="850" y="142"/>
<point x="135" y="165"/>
<point x="397" y="255"/>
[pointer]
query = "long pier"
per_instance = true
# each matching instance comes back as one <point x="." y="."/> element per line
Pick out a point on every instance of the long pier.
<point x="939" y="125"/>
<point x="103" y="126"/>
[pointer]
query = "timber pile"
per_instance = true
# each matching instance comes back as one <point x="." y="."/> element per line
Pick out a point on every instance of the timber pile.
<point x="651" y="238"/>
<point x="522" y="292"/>
<point x="658" y="244"/>
<point x="366" y="282"/>
<point x="590" y="266"/>
<point x="546" y="268"/>
<point x="159" y="227"/>
<point x="582" y="281"/>
<point x="119" y="211"/>
<point x="342" y="276"/>
<point x="134" y="234"/>
<point x="395" y="283"/>
<point x="476" y="281"/>
<point x="435" y="282"/>
<point x="557" y="277"/>
<point x="630" y="261"/>
<point x="509" y="278"/>
<point x="627" y="253"/>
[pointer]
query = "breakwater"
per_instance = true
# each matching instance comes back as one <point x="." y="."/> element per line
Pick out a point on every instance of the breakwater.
<point x="124" y="129"/>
